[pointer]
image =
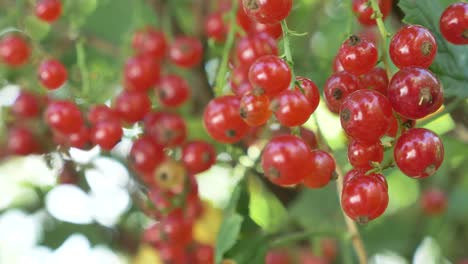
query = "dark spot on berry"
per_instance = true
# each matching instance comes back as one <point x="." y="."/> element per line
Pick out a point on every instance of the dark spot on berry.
<point x="408" y="124"/>
<point x="243" y="113"/>
<point x="162" y="94"/>
<point x="345" y="114"/>
<point x="231" y="133"/>
<point x="251" y="4"/>
<point x="163" y="176"/>
<point x="274" y="173"/>
<point x="425" y="96"/>
<point x="206" y="157"/>
<point x="257" y="91"/>
<point x="426" y="48"/>
<point x="274" y="105"/>
<point x="465" y="34"/>
<point x="337" y="94"/>
<point x="430" y="170"/>
<point x="362" y="220"/>
<point x="354" y="40"/>
<point x="334" y="176"/>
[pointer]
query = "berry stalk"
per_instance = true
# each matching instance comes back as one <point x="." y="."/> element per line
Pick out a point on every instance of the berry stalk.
<point x="287" y="51"/>
<point x="81" y="60"/>
<point x="384" y="33"/>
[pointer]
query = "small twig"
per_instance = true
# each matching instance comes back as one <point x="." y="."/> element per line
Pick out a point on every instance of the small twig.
<point x="287" y="51"/>
<point x="384" y="33"/>
<point x="81" y="60"/>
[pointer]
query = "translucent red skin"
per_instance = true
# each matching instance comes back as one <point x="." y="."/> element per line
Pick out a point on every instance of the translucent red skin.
<point x="309" y="137"/>
<point x="132" y="106"/>
<point x="238" y="77"/>
<point x="198" y="156"/>
<point x="106" y="133"/>
<point x="14" y="50"/>
<point x="418" y="153"/>
<point x="177" y="228"/>
<point x="337" y="67"/>
<point x="405" y="88"/>
<point x="203" y="254"/>
<point x="310" y="90"/>
<point x="255" y="110"/>
<point x="360" y="154"/>
<point x="173" y="90"/>
<point x="79" y="139"/>
<point x="172" y="253"/>
<point x="268" y="11"/>
<point x="364" y="198"/>
<point x="321" y="171"/>
<point x="48" y="10"/>
<point x="454" y="23"/>
<point x="407" y="47"/>
<point x="277" y="256"/>
<point x="151" y="42"/>
<point x="141" y="73"/>
<point x="366" y="115"/>
<point x="292" y="108"/>
<point x="364" y="11"/>
<point x="21" y="141"/>
<point x="434" y="202"/>
<point x="273" y="30"/>
<point x="101" y="112"/>
<point x="270" y="75"/>
<point x="166" y="128"/>
<point x="63" y="116"/>
<point x="222" y="120"/>
<point x="250" y="48"/>
<point x="345" y="83"/>
<point x="285" y="160"/>
<point x="146" y="154"/>
<point x="26" y="105"/>
<point x="52" y="74"/>
<point x="358" y="58"/>
<point x="186" y="52"/>
<point x="376" y="79"/>
<point x="215" y="27"/>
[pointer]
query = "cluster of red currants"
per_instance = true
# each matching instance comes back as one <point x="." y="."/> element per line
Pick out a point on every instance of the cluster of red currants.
<point x="303" y="255"/>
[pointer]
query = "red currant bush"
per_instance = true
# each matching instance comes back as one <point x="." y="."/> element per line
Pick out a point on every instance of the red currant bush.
<point x="413" y="46"/>
<point x="365" y="14"/>
<point x="146" y="154"/>
<point x="186" y="52"/>
<point x="415" y="93"/>
<point x="255" y="110"/>
<point x="63" y="116"/>
<point x="166" y="128"/>
<point x="291" y="108"/>
<point x="361" y="154"/>
<point x="419" y="153"/>
<point x="48" y="10"/>
<point x="322" y="169"/>
<point x="358" y="56"/>
<point x="198" y="156"/>
<point x="309" y="137"/>
<point x="454" y="23"/>
<point x="338" y="87"/>
<point x="273" y="30"/>
<point x="141" y="73"/>
<point x="267" y="11"/>
<point x="366" y="115"/>
<point x="222" y="120"/>
<point x="270" y="75"/>
<point x="150" y="41"/>
<point x="173" y="90"/>
<point x="286" y="159"/>
<point x="132" y="106"/>
<point x="433" y="202"/>
<point x="52" y="74"/>
<point x="14" y="50"/>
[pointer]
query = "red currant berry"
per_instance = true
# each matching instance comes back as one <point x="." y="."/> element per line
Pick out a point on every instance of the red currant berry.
<point x="358" y="56"/>
<point x="267" y="11"/>
<point x="250" y="48"/>
<point x="146" y="154"/>
<point x="329" y="249"/>
<point x="167" y="129"/>
<point x="365" y="14"/>
<point x="132" y="106"/>
<point x="364" y="198"/>
<point x="291" y="108"/>
<point x="52" y="74"/>
<point x="286" y="159"/>
<point x="361" y="154"/>
<point x="177" y="228"/>
<point x="376" y="79"/>
<point x="278" y="256"/>
<point x="14" y="50"/>
<point x="310" y="90"/>
<point x="63" y="116"/>
<point x="186" y="52"/>
<point x="337" y="67"/>
<point x="366" y="115"/>
<point x="362" y="173"/>
<point x="273" y="30"/>
<point x="243" y="20"/>
<point x="309" y="137"/>
<point x="106" y="133"/>
<point x="150" y="41"/>
<point x="173" y="90"/>
<point x="153" y="235"/>
<point x="338" y="87"/>
<point x="27" y="105"/>
<point x="203" y="254"/>
<point x="215" y="27"/>
<point x="172" y="253"/>
<point x="222" y="120"/>
<point x="141" y="73"/>
<point x="405" y="125"/>
<point x="270" y="75"/>
<point x="454" y="23"/>
<point x="434" y="202"/>
<point x="22" y="141"/>
<point x="198" y="156"/>
<point x="255" y="110"/>
<point x="322" y="170"/>
<point x="238" y="77"/>
<point x="415" y="93"/>
<point x="48" y="10"/>
<point x="419" y="153"/>
<point x="413" y="46"/>
<point x="78" y="139"/>
<point x="101" y="112"/>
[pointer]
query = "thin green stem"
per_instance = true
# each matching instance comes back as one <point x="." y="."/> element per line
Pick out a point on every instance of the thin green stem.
<point x="81" y="59"/>
<point x="223" y="67"/>
<point x="350" y="18"/>
<point x="302" y="235"/>
<point x="448" y="109"/>
<point x="384" y="33"/>
<point x="287" y="51"/>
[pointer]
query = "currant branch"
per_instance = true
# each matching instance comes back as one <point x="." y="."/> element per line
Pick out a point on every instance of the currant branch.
<point x="287" y="51"/>
<point x="384" y="33"/>
<point x="81" y="59"/>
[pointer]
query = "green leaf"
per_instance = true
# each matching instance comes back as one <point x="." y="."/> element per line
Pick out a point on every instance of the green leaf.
<point x="264" y="208"/>
<point x="250" y="250"/>
<point x="451" y="62"/>
<point x="228" y="233"/>
<point x="36" y="28"/>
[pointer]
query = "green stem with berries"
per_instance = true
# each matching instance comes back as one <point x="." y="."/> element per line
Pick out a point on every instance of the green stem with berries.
<point x="384" y="33"/>
<point x="287" y="51"/>
<point x="223" y="66"/>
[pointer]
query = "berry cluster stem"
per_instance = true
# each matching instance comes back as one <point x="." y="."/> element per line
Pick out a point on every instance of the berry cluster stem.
<point x="223" y="66"/>
<point x="287" y="51"/>
<point x="81" y="60"/>
<point x="384" y="33"/>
